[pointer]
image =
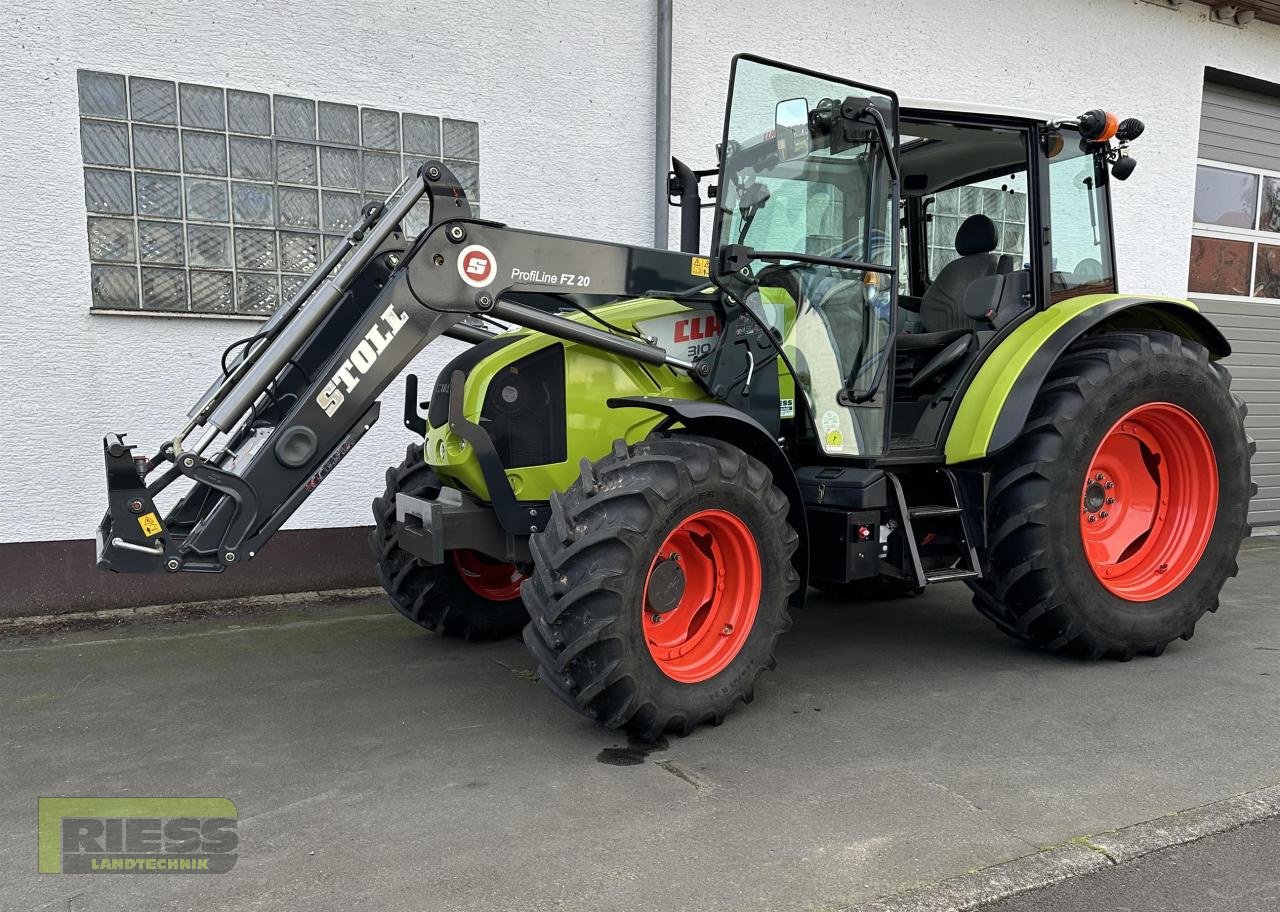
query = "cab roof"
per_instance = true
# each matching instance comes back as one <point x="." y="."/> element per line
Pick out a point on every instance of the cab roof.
<point x="916" y="105"/>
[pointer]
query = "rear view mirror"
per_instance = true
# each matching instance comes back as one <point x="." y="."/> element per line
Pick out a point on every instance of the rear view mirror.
<point x="791" y="123"/>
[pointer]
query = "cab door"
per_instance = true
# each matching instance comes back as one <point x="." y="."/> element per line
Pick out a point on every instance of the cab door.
<point x="806" y="242"/>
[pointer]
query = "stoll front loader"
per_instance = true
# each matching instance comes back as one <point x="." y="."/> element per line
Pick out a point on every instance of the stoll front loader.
<point x="904" y="362"/>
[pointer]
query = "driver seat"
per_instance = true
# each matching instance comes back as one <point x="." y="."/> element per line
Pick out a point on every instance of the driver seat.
<point x="942" y="306"/>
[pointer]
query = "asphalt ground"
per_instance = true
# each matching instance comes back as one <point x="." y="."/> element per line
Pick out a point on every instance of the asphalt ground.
<point x="376" y="766"/>
<point x="1234" y="871"/>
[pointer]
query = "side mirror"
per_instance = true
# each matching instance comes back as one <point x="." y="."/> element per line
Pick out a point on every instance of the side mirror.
<point x="791" y="124"/>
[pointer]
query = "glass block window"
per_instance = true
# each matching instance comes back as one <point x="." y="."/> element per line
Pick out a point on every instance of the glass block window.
<point x="1235" y="243"/>
<point x="204" y="199"/>
<point x="1003" y="200"/>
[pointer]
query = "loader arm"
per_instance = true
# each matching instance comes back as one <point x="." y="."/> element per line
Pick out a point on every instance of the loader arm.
<point x="306" y="387"/>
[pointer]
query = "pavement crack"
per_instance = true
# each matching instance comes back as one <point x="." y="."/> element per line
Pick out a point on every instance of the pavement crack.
<point x="700" y="783"/>
<point x="1088" y="843"/>
<point x="978" y="809"/>
<point x="526" y="674"/>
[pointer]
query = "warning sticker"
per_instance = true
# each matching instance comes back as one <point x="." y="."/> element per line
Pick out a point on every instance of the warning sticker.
<point x="150" y="524"/>
<point x="700" y="266"/>
<point x="835" y="440"/>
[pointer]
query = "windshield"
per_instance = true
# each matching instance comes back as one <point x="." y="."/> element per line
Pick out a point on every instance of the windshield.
<point x="824" y="194"/>
<point x="806" y="170"/>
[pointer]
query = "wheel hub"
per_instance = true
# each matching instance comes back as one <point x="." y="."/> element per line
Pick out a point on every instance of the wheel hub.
<point x="1095" y="497"/>
<point x="666" y="586"/>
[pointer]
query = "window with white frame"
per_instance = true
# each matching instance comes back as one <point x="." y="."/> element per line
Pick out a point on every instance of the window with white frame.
<point x="1235" y="242"/>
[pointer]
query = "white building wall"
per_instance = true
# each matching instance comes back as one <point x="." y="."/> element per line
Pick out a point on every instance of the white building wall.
<point x="563" y="95"/>
<point x="1131" y="57"/>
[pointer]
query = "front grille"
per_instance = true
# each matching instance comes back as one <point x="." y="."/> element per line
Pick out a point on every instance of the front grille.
<point x="523" y="410"/>
<point x="438" y="412"/>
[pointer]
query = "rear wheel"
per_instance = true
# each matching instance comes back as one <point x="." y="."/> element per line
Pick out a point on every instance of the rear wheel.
<point x="1116" y="516"/>
<point x="470" y="595"/>
<point x="661" y="585"/>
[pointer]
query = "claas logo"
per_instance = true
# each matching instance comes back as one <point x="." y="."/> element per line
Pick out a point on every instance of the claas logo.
<point x="692" y="329"/>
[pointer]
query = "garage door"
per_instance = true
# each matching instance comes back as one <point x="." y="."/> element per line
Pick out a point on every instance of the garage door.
<point x="1235" y="261"/>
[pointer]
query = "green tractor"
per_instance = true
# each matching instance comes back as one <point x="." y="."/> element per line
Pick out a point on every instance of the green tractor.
<point x="904" y="362"/>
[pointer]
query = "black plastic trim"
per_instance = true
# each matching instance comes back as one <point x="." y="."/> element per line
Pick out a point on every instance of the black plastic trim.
<point x="516" y="517"/>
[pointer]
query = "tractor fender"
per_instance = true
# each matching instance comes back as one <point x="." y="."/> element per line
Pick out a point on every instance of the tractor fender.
<point x="723" y="422"/>
<point x="998" y="400"/>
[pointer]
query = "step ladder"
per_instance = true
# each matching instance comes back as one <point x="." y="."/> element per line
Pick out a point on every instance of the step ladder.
<point x="946" y="523"/>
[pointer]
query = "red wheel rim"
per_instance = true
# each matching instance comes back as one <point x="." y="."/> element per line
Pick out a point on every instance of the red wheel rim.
<point x="1149" y="502"/>
<point x="701" y="634"/>
<point x="486" y="577"/>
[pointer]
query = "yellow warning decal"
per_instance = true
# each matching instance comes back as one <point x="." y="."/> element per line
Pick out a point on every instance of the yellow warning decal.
<point x="700" y="266"/>
<point x="150" y="524"/>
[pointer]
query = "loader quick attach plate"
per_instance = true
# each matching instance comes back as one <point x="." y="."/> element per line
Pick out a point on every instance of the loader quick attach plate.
<point x="131" y="535"/>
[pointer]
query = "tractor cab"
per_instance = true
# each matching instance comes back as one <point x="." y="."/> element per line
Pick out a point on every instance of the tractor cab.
<point x="890" y="246"/>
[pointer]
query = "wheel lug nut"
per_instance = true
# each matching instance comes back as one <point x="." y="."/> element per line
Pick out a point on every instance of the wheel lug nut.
<point x="1092" y="518"/>
<point x="1110" y="500"/>
<point x="1100" y="476"/>
<point x="1104" y="514"/>
<point x="1162" y="568"/>
<point x="656" y="618"/>
<point x="726" y="630"/>
<point x="1109" y="485"/>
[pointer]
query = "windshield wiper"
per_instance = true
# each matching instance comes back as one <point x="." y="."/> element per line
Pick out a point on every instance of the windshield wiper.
<point x="752" y="201"/>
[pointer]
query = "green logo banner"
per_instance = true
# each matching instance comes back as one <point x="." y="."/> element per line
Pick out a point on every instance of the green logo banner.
<point x="137" y="835"/>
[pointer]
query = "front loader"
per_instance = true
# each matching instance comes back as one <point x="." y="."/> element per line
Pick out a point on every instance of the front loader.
<point x="904" y="362"/>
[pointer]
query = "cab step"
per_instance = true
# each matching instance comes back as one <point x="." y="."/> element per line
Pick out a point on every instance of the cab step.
<point x="954" y="573"/>
<point x="937" y="533"/>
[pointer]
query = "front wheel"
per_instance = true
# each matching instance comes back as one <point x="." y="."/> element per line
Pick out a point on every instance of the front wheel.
<point x="1115" y="518"/>
<point x="470" y="595"/>
<point x="661" y="585"/>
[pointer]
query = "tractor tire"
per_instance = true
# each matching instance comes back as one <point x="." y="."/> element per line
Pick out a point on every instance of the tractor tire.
<point x="682" y="531"/>
<point x="1115" y="517"/>
<point x="468" y="596"/>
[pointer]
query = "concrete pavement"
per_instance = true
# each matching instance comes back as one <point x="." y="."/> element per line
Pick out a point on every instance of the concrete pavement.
<point x="897" y="744"/>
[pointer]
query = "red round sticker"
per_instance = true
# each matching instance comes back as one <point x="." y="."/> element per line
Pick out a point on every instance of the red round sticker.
<point x="476" y="265"/>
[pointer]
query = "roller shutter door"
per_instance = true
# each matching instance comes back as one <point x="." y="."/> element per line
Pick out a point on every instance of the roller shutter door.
<point x="1235" y="261"/>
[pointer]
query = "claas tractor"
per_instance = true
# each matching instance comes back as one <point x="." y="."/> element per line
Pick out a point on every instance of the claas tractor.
<point x="903" y="361"/>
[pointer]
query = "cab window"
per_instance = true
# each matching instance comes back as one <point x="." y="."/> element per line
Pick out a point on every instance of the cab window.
<point x="1081" y="256"/>
<point x="1002" y="199"/>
